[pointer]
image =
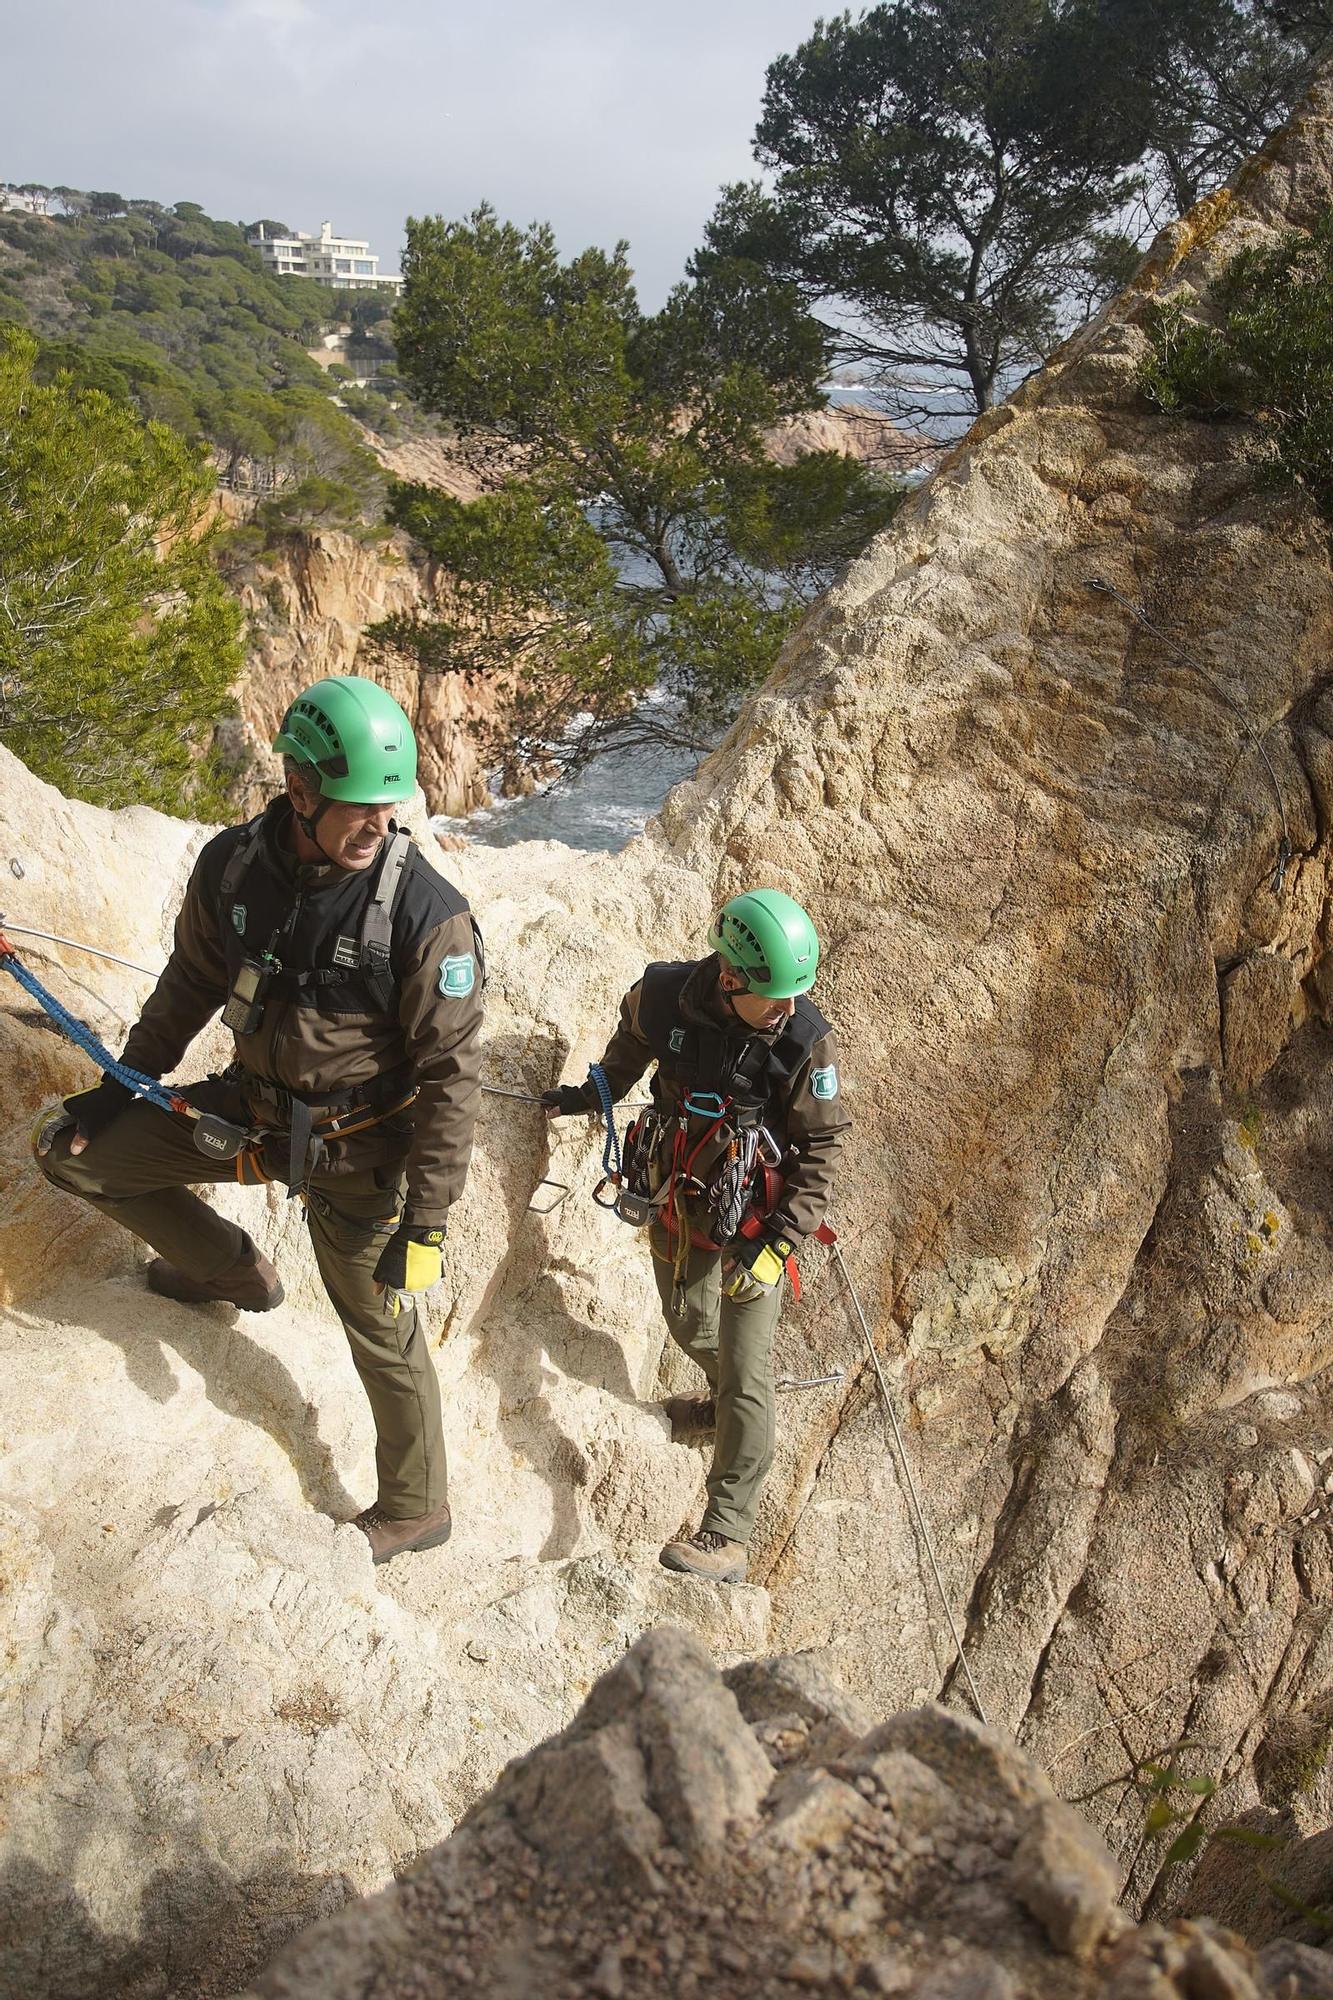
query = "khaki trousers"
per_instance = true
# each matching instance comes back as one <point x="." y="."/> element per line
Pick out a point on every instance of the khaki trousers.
<point x="139" y="1170"/>
<point x="732" y="1341"/>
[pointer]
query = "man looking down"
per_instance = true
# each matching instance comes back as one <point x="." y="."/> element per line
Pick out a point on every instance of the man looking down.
<point x="350" y="974"/>
<point x="735" y="1159"/>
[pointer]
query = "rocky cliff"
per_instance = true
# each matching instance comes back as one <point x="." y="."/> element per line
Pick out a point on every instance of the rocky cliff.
<point x="1083" y="1012"/>
<point x="309" y="603"/>
<point x="753" y="1832"/>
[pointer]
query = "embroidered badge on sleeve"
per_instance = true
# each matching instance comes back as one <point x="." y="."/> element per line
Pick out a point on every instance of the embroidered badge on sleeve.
<point x="458" y="975"/>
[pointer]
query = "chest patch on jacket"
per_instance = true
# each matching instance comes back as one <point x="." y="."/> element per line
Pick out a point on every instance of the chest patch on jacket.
<point x="346" y="951"/>
<point x="824" y="1082"/>
<point x="676" y="1042"/>
<point x="238" y="914"/>
<point x="458" y="974"/>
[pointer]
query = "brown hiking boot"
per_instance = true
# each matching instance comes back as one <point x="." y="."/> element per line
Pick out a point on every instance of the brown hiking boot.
<point x="707" y="1554"/>
<point x="690" y="1417"/>
<point x="250" y="1283"/>
<point x="389" y="1538"/>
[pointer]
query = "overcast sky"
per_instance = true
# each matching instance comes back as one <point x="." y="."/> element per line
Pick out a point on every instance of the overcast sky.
<point x="606" y="120"/>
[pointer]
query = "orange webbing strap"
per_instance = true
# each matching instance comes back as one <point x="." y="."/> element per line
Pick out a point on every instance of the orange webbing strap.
<point x="822" y="1235"/>
<point x="332" y="1127"/>
<point x="249" y="1162"/>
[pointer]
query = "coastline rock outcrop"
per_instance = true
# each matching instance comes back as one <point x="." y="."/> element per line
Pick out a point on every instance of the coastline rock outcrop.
<point x="1084" y="1021"/>
<point x="308" y="604"/>
<point x="690" y="1831"/>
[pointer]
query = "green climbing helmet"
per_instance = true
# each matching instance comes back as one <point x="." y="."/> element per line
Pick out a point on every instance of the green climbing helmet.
<point x="769" y="938"/>
<point x="356" y="736"/>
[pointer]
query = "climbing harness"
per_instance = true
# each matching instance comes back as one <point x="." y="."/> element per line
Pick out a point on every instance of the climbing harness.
<point x="1284" y="852"/>
<point x="826" y="1235"/>
<point x="218" y="1138"/>
<point x="248" y="1152"/>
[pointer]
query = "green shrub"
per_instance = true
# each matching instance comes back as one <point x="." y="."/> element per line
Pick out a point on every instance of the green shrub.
<point x="1267" y="361"/>
<point x="119" y="643"/>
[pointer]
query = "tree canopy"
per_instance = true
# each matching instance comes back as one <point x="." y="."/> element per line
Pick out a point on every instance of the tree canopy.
<point x="172" y="311"/>
<point x="953" y="184"/>
<point x="635" y="532"/>
<point x="118" y="642"/>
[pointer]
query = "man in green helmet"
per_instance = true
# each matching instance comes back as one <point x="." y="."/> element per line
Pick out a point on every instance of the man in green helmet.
<point x="734" y="1165"/>
<point x="350" y="974"/>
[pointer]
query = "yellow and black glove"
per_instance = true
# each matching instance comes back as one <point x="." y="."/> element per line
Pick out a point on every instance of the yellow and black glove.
<point x="759" y="1265"/>
<point x="410" y="1260"/>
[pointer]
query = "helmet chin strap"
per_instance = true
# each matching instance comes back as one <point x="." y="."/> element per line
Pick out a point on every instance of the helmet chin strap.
<point x="309" y="821"/>
<point x="731" y="994"/>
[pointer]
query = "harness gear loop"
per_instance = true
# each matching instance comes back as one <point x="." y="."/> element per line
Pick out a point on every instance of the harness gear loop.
<point x="824" y="1234"/>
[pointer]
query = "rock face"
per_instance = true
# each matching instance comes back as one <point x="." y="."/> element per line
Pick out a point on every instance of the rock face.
<point x="308" y="608"/>
<point x="1083" y="1018"/>
<point x="852" y="432"/>
<point x="690" y="1832"/>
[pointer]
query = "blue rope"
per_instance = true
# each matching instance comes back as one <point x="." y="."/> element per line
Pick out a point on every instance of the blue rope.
<point x="84" y="1038"/>
<point x="611" y="1144"/>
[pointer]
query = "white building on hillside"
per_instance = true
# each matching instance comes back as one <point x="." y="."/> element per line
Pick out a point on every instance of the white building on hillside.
<point x="345" y="263"/>
<point x="25" y="200"/>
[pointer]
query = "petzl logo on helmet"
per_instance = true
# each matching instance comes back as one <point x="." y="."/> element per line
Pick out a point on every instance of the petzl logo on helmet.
<point x="458" y="975"/>
<point x="238" y="915"/>
<point x="676" y="1041"/>
<point x="824" y="1082"/>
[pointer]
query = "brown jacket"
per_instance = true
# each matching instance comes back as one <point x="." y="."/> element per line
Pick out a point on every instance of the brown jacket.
<point x="807" y="1115"/>
<point x="322" y="1039"/>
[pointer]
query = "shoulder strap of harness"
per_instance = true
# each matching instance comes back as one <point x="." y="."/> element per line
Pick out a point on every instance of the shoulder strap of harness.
<point x="377" y="921"/>
<point x="240" y="858"/>
<point x="765" y="1067"/>
<point x="659" y="1003"/>
<point x="806" y="1026"/>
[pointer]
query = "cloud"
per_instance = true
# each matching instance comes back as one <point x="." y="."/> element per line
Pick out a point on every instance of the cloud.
<point x="607" y="120"/>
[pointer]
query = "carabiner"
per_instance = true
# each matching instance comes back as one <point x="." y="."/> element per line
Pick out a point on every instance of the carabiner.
<point x="705" y="1104"/>
<point x="606" y="1182"/>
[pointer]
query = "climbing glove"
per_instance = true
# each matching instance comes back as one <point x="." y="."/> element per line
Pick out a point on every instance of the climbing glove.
<point x="93" y="1110"/>
<point x="759" y="1265"/>
<point x="410" y="1260"/>
<point x="569" y="1100"/>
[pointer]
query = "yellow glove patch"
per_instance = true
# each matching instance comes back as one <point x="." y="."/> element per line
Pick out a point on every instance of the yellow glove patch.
<point x="757" y="1271"/>
<point x="423" y="1267"/>
<point x="410" y="1261"/>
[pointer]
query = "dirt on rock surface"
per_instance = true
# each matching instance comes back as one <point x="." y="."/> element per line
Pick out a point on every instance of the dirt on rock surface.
<point x="691" y="1832"/>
